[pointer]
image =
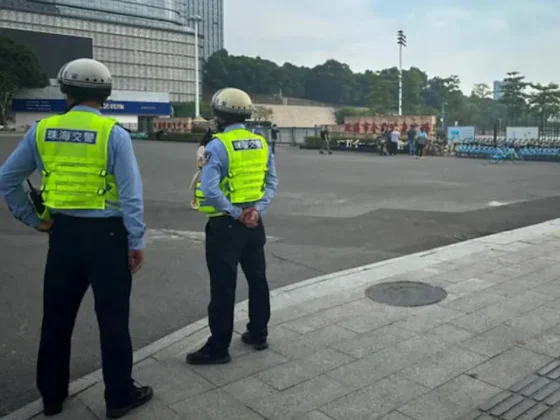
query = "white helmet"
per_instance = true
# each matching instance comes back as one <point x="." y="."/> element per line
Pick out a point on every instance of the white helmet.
<point x="85" y="77"/>
<point x="232" y="101"/>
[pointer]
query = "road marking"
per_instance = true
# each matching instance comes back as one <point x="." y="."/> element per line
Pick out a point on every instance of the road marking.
<point x="182" y="235"/>
<point x="496" y="203"/>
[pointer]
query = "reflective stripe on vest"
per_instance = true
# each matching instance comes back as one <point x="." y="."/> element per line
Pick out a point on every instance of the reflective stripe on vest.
<point x="74" y="148"/>
<point x="248" y="163"/>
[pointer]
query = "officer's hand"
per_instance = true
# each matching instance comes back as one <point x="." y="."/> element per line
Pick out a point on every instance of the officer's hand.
<point x="44" y="226"/>
<point x="135" y="260"/>
<point x="250" y="217"/>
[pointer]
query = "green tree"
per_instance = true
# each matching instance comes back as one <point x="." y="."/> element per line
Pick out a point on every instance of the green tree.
<point x="187" y="109"/>
<point x="514" y="95"/>
<point x="19" y="69"/>
<point x="544" y="102"/>
<point x="481" y="91"/>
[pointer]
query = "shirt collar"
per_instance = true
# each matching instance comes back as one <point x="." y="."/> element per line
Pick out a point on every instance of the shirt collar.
<point x="86" y="109"/>
<point x="236" y="126"/>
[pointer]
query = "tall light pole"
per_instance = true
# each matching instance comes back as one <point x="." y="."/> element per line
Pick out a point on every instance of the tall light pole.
<point x="401" y="41"/>
<point x="196" y="19"/>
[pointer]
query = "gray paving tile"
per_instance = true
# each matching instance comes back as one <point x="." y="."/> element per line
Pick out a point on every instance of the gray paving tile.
<point x="375" y="400"/>
<point x="283" y="315"/>
<point x="373" y="341"/>
<point x="73" y="409"/>
<point x="330" y="316"/>
<point x="554" y="398"/>
<point x="171" y="381"/>
<point x="534" y="387"/>
<point x="94" y="398"/>
<point x="337" y="299"/>
<point x="553" y="414"/>
<point x="448" y="334"/>
<point x="494" y="315"/>
<point x="549" y="367"/>
<point x="546" y="391"/>
<point x="305" y="344"/>
<point x="385" y="362"/>
<point x="474" y="301"/>
<point x="314" y="415"/>
<point x="509" y="367"/>
<point x="249" y="389"/>
<point x="215" y="405"/>
<point x="454" y="276"/>
<point x="300" y="399"/>
<point x="425" y="319"/>
<point x="495" y="341"/>
<point x="468" y="287"/>
<point x="551" y="288"/>
<point x="182" y="347"/>
<point x="496" y="400"/>
<point x="547" y="342"/>
<point x="304" y="369"/>
<point x="534" y="412"/>
<point x="395" y="415"/>
<point x="519" y="409"/>
<point x="538" y="320"/>
<point x="450" y="401"/>
<point x="505" y="405"/>
<point x="241" y="368"/>
<point x="373" y="320"/>
<point x="443" y="366"/>
<point x="525" y="382"/>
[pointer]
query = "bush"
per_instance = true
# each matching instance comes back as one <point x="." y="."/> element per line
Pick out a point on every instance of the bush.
<point x="178" y="137"/>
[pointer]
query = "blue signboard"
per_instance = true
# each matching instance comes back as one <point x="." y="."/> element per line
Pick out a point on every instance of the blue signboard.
<point x="54" y="106"/>
<point x="460" y="135"/>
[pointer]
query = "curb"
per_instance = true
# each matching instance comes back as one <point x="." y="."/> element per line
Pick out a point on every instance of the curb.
<point x="318" y="287"/>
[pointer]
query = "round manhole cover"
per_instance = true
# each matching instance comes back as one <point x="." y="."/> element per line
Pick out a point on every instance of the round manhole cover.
<point x="406" y="293"/>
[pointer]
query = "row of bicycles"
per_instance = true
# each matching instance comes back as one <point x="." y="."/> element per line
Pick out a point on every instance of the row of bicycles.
<point x="543" y="149"/>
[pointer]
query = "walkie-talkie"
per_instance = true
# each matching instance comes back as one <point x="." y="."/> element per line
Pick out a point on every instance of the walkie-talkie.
<point x="36" y="199"/>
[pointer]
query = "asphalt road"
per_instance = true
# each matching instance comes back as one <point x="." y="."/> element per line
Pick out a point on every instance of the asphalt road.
<point x="331" y="213"/>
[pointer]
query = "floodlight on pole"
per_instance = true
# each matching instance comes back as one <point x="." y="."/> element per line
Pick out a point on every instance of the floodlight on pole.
<point x="401" y="41"/>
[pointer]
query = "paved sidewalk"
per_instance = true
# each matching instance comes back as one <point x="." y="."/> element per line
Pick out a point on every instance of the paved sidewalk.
<point x="488" y="351"/>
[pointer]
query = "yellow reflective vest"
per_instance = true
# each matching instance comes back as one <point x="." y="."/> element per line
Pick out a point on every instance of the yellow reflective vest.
<point x="74" y="148"/>
<point x="248" y="163"/>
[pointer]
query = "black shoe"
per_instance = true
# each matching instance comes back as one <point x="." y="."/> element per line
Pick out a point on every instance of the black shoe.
<point x="258" y="344"/>
<point x="205" y="356"/>
<point x="52" y="409"/>
<point x="139" y="396"/>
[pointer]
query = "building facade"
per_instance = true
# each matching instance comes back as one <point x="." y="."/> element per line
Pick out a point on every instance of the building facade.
<point x="497" y="93"/>
<point x="145" y="43"/>
<point x="212" y="25"/>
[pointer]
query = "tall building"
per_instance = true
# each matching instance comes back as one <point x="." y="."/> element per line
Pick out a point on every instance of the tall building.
<point x="212" y="25"/>
<point x="145" y="43"/>
<point x="498" y="85"/>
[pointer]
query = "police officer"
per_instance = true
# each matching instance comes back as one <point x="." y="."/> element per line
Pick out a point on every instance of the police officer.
<point x="92" y="193"/>
<point x="238" y="182"/>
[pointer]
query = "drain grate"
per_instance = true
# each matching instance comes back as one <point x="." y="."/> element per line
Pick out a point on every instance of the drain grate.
<point x="406" y="293"/>
<point x="534" y="397"/>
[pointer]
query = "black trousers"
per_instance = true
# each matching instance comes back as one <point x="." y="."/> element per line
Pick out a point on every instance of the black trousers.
<point x="84" y="252"/>
<point x="228" y="244"/>
<point x="419" y="150"/>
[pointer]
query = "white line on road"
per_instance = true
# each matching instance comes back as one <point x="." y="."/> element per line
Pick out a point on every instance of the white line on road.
<point x="181" y="235"/>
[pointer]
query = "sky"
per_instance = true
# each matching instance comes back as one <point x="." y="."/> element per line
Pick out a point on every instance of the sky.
<point x="478" y="40"/>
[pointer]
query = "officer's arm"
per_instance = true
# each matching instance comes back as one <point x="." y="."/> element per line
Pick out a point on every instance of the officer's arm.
<point x="129" y="185"/>
<point x="17" y="167"/>
<point x="213" y="171"/>
<point x="271" y="185"/>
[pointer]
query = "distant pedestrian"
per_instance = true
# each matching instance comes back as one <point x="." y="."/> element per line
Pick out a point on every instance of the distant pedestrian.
<point x="395" y="137"/>
<point x="326" y="141"/>
<point x="421" y="142"/>
<point x="200" y="160"/>
<point x="411" y="141"/>
<point x="274" y="131"/>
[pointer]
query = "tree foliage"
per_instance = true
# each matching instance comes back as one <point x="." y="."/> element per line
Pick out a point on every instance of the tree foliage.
<point x="19" y="69"/>
<point x="376" y="92"/>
